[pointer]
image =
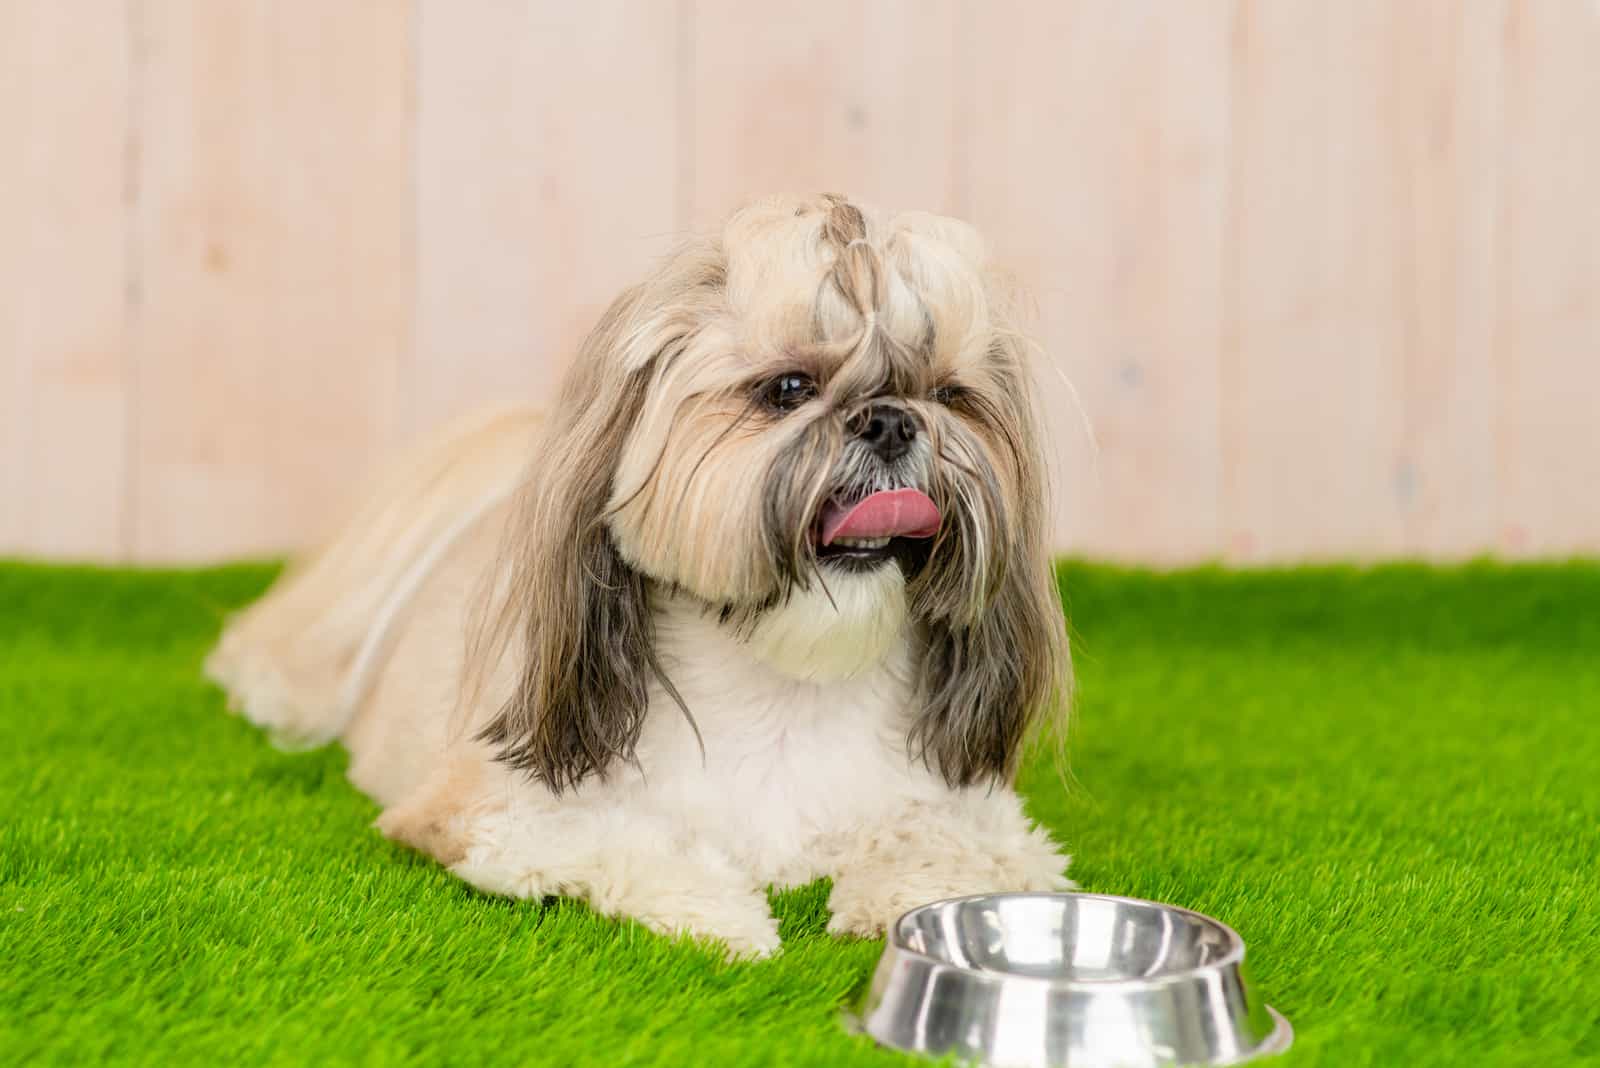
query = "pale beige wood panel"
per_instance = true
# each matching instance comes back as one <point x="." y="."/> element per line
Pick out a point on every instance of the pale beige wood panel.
<point x="1548" y="338"/>
<point x="273" y="267"/>
<point x="1443" y="62"/>
<point x="548" y="158"/>
<point x="1098" y="167"/>
<point x="64" y="83"/>
<point x="860" y="97"/>
<point x="1313" y="359"/>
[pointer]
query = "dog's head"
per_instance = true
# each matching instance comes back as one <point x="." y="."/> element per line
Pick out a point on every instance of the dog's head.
<point x="819" y="425"/>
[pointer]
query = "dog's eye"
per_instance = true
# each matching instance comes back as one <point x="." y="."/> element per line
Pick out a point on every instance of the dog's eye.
<point x="789" y="390"/>
<point x="946" y="394"/>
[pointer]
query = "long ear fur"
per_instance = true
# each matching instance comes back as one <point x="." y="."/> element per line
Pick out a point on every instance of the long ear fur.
<point x="997" y="669"/>
<point x="983" y="687"/>
<point x="583" y="613"/>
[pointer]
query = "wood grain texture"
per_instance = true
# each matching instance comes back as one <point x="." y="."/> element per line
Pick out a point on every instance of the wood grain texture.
<point x="1313" y="360"/>
<point x="547" y="181"/>
<point x="1444" y="75"/>
<point x="274" y="258"/>
<point x="64" y="114"/>
<point x="1098" y="167"/>
<point x="1547" y="340"/>
<point x="843" y="96"/>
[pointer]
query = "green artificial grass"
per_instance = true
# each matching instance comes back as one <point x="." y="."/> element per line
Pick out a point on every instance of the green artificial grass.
<point x="1388" y="781"/>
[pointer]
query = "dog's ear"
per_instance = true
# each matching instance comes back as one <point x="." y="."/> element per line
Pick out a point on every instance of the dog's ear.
<point x="982" y="686"/>
<point x="994" y="663"/>
<point x="575" y="609"/>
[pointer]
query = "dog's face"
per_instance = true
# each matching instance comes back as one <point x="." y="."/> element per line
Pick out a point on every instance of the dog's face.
<point x="842" y="408"/>
<point x="819" y="425"/>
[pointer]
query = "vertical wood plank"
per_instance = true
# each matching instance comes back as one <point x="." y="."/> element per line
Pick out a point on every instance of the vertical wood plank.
<point x="548" y="169"/>
<point x="273" y="267"/>
<point x="1444" y="113"/>
<point x="803" y="96"/>
<point x="1098" y="159"/>
<point x="1313" y="369"/>
<point x="64" y="84"/>
<point x="1548" y="338"/>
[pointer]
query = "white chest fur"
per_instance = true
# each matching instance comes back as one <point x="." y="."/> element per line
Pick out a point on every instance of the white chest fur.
<point x="775" y="767"/>
<point x="786" y="762"/>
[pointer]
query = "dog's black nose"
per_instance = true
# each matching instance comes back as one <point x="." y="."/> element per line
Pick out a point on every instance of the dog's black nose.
<point x="889" y="429"/>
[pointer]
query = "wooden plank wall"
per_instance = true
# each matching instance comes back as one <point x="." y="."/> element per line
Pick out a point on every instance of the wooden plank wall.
<point x="65" y="456"/>
<point x="1323" y="278"/>
<point x="270" y="339"/>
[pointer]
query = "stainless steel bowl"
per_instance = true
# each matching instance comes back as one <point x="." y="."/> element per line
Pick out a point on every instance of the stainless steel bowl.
<point x="1081" y="980"/>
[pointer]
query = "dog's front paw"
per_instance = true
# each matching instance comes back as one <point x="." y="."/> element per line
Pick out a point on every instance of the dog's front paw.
<point x="696" y="892"/>
<point x="866" y="900"/>
<point x="747" y="934"/>
<point x="860" y="912"/>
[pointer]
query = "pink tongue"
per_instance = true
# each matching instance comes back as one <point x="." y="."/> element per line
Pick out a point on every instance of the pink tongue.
<point x="901" y="513"/>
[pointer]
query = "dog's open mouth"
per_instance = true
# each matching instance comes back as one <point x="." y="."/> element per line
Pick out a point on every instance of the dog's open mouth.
<point x="882" y="526"/>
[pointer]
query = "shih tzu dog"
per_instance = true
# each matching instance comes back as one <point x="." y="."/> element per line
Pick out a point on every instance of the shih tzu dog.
<point x="764" y="597"/>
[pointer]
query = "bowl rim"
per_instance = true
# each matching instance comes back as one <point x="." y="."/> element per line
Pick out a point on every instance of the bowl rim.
<point x="1232" y="959"/>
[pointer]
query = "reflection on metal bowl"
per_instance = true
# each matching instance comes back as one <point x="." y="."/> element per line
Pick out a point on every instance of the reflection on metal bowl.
<point x="1077" y="980"/>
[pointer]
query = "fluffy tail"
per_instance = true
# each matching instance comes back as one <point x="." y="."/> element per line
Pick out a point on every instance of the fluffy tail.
<point x="299" y="661"/>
